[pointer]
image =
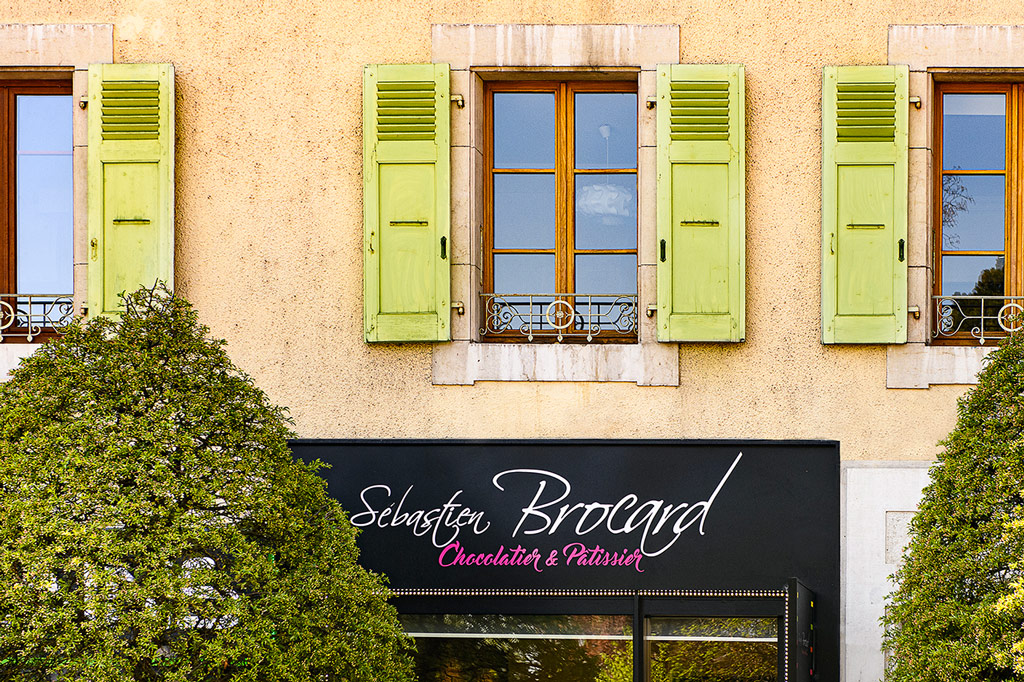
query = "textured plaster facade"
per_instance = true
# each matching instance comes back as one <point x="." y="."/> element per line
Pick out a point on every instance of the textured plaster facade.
<point x="269" y="219"/>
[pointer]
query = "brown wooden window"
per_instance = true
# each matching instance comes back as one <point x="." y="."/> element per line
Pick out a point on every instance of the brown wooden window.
<point x="560" y="238"/>
<point x="979" y="223"/>
<point x="36" y="218"/>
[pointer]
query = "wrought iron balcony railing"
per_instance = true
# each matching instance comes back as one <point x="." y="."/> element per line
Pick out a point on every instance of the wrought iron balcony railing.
<point x="981" y="317"/>
<point x="27" y="316"/>
<point x="560" y="316"/>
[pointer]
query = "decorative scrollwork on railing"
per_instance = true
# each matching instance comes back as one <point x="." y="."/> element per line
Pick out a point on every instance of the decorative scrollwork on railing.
<point x="560" y="316"/>
<point x="983" y="317"/>
<point x="29" y="315"/>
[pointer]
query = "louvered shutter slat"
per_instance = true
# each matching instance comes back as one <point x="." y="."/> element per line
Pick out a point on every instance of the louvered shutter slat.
<point x="130" y="110"/>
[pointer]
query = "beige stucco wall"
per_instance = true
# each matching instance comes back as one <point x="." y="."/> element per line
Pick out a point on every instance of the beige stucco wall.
<point x="269" y="217"/>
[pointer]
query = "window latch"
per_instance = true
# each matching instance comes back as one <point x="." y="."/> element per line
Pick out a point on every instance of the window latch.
<point x="901" y="243"/>
<point x="662" y="250"/>
<point x="444" y="248"/>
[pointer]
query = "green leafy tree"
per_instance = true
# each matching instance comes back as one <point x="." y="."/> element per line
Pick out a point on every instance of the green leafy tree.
<point x="953" y="615"/>
<point x="155" y="526"/>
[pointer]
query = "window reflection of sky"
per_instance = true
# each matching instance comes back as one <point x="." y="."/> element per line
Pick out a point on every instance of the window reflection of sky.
<point x="972" y="275"/>
<point x="973" y="212"/>
<point x="606" y="211"/>
<point x="524" y="273"/>
<point x="524" y="130"/>
<point x="44" y="194"/>
<point x="606" y="274"/>
<point x="524" y="211"/>
<point x="974" y="132"/>
<point x="605" y="130"/>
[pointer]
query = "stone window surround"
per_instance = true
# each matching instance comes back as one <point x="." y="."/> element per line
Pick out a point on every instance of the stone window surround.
<point x="476" y="52"/>
<point x="25" y="48"/>
<point x="931" y="51"/>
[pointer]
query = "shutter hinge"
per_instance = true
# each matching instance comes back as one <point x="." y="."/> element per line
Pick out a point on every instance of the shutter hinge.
<point x="459" y="101"/>
<point x="652" y="309"/>
<point x="83" y="103"/>
<point x="915" y="311"/>
<point x="652" y="102"/>
<point x="916" y="101"/>
<point x="459" y="307"/>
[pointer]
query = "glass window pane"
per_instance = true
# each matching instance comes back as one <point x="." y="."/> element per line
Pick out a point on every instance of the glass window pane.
<point x="973" y="131"/>
<point x="973" y="208"/>
<point x="606" y="274"/>
<point x="524" y="211"/>
<point x="44" y="123"/>
<point x="44" y="194"/>
<point x="605" y="130"/>
<point x="524" y="130"/>
<point x="606" y="211"/>
<point x="972" y="275"/>
<point x="484" y="648"/>
<point x="700" y="649"/>
<point x="524" y="273"/>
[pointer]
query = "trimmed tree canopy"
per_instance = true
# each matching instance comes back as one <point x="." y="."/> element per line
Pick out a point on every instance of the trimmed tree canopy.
<point x="154" y="525"/>
<point x="952" y="615"/>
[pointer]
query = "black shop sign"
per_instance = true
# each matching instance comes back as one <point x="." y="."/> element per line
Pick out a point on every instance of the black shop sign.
<point x="604" y="515"/>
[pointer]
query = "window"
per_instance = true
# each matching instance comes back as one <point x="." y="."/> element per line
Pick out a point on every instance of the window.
<point x="36" y="225"/>
<point x="471" y="648"/>
<point x="978" y="221"/>
<point x="482" y="55"/>
<point x="593" y="648"/>
<point x="560" y="211"/>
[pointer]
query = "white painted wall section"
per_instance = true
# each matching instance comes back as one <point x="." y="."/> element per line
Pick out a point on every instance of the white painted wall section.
<point x="878" y="500"/>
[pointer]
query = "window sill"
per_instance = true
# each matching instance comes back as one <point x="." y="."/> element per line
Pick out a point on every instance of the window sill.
<point x="11" y="354"/>
<point x="915" y="365"/>
<point x="466" y="362"/>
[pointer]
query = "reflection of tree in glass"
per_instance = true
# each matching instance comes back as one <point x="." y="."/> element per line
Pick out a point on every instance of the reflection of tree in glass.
<point x="955" y="199"/>
<point x="990" y="281"/>
<point x="714" y="662"/>
<point x="480" y="658"/>
<point x="706" y="661"/>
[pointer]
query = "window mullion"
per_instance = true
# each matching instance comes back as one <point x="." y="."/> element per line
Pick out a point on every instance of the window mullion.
<point x="1010" y="201"/>
<point x="563" y="163"/>
<point x="1014" y="214"/>
<point x="7" y="218"/>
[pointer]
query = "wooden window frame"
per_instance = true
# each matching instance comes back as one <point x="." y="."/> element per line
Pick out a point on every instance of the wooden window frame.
<point x="10" y="87"/>
<point x="1013" y="210"/>
<point x="565" y="172"/>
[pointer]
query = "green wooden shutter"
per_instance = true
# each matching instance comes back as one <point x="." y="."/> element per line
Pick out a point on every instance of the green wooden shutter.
<point x="700" y="248"/>
<point x="406" y="214"/>
<point x="130" y="181"/>
<point x="864" y="205"/>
